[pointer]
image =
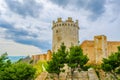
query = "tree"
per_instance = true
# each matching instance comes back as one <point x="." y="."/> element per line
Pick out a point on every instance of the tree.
<point x="76" y="59"/>
<point x="112" y="63"/>
<point x="58" y="60"/>
<point x="18" y="71"/>
<point x="15" y="71"/>
<point x="4" y="61"/>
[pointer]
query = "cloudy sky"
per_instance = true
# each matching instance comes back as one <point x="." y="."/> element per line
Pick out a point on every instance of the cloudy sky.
<point x="25" y="25"/>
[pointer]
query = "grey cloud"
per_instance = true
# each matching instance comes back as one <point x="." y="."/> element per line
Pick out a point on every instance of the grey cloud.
<point x="115" y="1"/>
<point x="95" y="6"/>
<point x="62" y="3"/>
<point x="83" y="28"/>
<point x="44" y="45"/>
<point x="28" y="7"/>
<point x="20" y="36"/>
<point x="116" y="5"/>
<point x="10" y="28"/>
<point x="5" y="24"/>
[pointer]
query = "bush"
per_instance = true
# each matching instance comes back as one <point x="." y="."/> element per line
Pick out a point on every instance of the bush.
<point x="15" y="71"/>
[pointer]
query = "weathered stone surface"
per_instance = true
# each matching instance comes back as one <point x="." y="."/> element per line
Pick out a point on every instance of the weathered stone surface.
<point x="102" y="75"/>
<point x="92" y="74"/>
<point x="51" y="77"/>
<point x="83" y="75"/>
<point x="63" y="76"/>
<point x="65" y="31"/>
<point x="99" y="48"/>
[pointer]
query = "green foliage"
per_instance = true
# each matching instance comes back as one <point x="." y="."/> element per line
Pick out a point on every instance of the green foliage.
<point x="58" y="61"/>
<point x="4" y="61"/>
<point x="94" y="66"/>
<point x="76" y="59"/>
<point x="15" y="71"/>
<point x="118" y="70"/>
<point x="112" y="63"/>
<point x="18" y="71"/>
<point x="40" y="66"/>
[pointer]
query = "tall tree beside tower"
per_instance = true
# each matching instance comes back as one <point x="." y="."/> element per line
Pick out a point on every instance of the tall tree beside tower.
<point x="58" y="60"/>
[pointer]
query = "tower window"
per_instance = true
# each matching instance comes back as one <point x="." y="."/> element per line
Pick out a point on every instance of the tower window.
<point x="56" y="31"/>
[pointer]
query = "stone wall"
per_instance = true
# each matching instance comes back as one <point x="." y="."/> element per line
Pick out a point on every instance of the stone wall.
<point x="46" y="56"/>
<point x="99" y="48"/>
<point x="88" y="49"/>
<point x="95" y="50"/>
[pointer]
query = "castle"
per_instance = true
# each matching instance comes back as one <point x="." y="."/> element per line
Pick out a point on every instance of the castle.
<point x="67" y="32"/>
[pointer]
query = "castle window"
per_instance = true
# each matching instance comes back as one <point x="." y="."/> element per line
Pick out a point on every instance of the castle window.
<point x="56" y="31"/>
<point x="68" y="24"/>
<point x="62" y="24"/>
<point x="59" y="24"/>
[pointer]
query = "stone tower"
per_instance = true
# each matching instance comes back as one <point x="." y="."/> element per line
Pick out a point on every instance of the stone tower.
<point x="100" y="44"/>
<point x="66" y="32"/>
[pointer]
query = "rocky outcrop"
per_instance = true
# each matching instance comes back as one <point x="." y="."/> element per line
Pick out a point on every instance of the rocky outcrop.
<point x="92" y="74"/>
<point x="83" y="75"/>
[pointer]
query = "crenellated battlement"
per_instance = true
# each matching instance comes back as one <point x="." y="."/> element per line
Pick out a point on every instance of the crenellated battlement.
<point x="68" y="22"/>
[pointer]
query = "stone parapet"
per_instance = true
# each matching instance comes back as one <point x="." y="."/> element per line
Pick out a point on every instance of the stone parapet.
<point x="46" y="56"/>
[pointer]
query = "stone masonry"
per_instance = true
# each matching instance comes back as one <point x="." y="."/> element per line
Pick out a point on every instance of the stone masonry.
<point x="66" y="32"/>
